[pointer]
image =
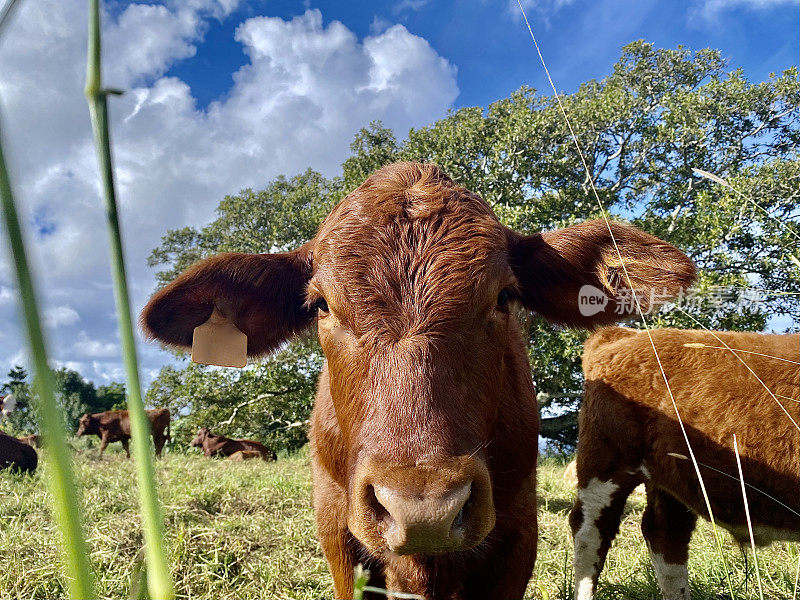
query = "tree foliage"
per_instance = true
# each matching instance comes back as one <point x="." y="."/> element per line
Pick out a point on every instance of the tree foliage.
<point x="75" y="395"/>
<point x="645" y="131"/>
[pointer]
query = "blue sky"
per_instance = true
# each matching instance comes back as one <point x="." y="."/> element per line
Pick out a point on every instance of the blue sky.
<point x="227" y="94"/>
<point x="491" y="48"/>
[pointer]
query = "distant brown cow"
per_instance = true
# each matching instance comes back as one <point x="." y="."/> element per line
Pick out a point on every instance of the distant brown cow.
<point x="629" y="434"/>
<point x="213" y="444"/>
<point x="424" y="430"/>
<point x="33" y="440"/>
<point x="17" y="455"/>
<point x="115" y="426"/>
<point x="243" y="455"/>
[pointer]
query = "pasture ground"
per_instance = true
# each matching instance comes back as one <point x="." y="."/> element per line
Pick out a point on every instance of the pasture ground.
<point x="246" y="530"/>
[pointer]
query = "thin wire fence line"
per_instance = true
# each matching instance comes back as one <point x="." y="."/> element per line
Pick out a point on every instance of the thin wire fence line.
<point x="724" y="182"/>
<point x="630" y="285"/>
<point x="747" y="515"/>
<point x="702" y="345"/>
<point x="739" y="358"/>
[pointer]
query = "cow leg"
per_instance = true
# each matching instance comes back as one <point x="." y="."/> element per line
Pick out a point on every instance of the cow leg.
<point x="158" y="441"/>
<point x="595" y="520"/>
<point x="103" y="443"/>
<point x="667" y="526"/>
<point x="125" y="443"/>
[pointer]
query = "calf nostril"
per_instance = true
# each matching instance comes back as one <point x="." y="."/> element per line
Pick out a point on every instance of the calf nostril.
<point x="379" y="512"/>
<point x="458" y="522"/>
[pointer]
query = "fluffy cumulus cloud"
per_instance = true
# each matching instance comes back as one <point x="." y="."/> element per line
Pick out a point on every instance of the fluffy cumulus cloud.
<point x="305" y="89"/>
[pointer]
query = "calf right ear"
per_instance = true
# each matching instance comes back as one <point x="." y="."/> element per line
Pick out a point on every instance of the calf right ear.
<point x="263" y="294"/>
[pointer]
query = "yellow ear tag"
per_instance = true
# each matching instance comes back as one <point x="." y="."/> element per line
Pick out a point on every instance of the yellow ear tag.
<point x="219" y="342"/>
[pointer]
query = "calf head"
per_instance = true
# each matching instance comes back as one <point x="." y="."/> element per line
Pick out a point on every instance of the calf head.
<point x="414" y="285"/>
<point x="202" y="434"/>
<point x="88" y="425"/>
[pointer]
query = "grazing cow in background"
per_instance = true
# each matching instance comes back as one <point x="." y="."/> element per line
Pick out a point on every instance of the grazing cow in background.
<point x="243" y="455"/>
<point x="33" y="440"/>
<point x="630" y="434"/>
<point x="17" y="455"/>
<point x="115" y="426"/>
<point x="424" y="430"/>
<point x="213" y="444"/>
<point x="7" y="405"/>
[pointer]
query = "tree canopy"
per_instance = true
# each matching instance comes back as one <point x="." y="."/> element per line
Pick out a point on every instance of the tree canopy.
<point x="650" y="132"/>
<point x="75" y="394"/>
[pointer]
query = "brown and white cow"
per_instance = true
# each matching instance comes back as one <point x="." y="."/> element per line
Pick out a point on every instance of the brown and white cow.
<point x="424" y="430"/>
<point x="630" y="434"/>
<point x="15" y="454"/>
<point x="213" y="444"/>
<point x="115" y="426"/>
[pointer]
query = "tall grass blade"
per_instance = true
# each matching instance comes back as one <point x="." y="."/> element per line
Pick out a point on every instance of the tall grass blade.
<point x="61" y="479"/>
<point x="159" y="581"/>
<point x="747" y="514"/>
<point x="6" y="13"/>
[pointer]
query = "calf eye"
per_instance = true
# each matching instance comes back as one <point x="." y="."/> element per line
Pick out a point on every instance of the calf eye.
<point x="503" y="298"/>
<point x="321" y="305"/>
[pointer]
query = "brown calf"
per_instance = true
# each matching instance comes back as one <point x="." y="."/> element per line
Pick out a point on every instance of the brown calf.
<point x="213" y="444"/>
<point x="15" y="454"/>
<point x="629" y="434"/>
<point x="243" y="455"/>
<point x="424" y="430"/>
<point x="115" y="426"/>
<point x="33" y="440"/>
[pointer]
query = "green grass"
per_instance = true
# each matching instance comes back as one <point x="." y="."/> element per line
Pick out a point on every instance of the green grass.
<point x="246" y="530"/>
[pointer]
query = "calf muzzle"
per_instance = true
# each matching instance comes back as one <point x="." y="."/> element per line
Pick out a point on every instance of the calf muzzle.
<point x="433" y="507"/>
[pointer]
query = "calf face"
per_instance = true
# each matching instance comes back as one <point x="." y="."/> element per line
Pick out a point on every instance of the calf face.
<point x="414" y="285"/>
<point x="200" y="437"/>
<point x="88" y="425"/>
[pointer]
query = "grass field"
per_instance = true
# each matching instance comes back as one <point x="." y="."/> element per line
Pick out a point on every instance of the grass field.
<point x="246" y="530"/>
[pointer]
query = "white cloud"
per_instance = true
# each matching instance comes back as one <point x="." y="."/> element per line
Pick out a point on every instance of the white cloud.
<point x="709" y="9"/>
<point x="8" y="295"/>
<point x="88" y="347"/>
<point x="405" y="5"/>
<point x="58" y="316"/>
<point x="544" y="9"/>
<point x="306" y="89"/>
<point x="379" y="25"/>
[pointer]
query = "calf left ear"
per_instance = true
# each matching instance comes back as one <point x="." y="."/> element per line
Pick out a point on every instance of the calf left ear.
<point x="263" y="294"/>
<point x="574" y="276"/>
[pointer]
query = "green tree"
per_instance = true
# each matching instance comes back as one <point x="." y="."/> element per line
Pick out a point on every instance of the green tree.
<point x="110" y="397"/>
<point x="268" y="401"/>
<point x="645" y="131"/>
<point x="75" y="394"/>
<point x="22" y="421"/>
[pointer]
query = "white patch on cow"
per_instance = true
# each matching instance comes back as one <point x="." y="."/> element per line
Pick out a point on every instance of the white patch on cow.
<point x="673" y="579"/>
<point x="583" y="589"/>
<point x="594" y="498"/>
